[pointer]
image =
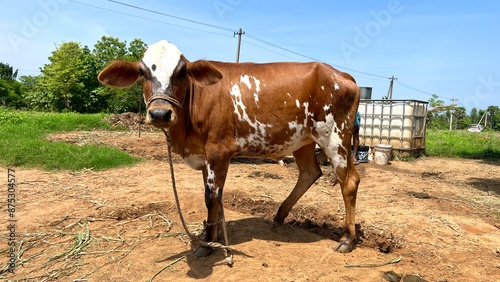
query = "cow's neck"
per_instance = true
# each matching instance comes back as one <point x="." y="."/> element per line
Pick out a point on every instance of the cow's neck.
<point x="183" y="135"/>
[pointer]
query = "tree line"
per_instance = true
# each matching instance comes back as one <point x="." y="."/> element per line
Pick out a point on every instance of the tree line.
<point x="69" y="83"/>
<point x="440" y="116"/>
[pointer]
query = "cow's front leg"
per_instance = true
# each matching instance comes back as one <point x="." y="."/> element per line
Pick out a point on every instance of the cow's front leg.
<point x="214" y="177"/>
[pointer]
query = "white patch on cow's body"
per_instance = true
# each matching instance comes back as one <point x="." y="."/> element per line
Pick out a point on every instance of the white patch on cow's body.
<point x="299" y="131"/>
<point x="306" y="112"/>
<point x="165" y="56"/>
<point x="210" y="176"/>
<point x="245" y="79"/>
<point x="257" y="85"/>
<point x="326" y="108"/>
<point x="195" y="161"/>
<point x="258" y="136"/>
<point x="322" y="87"/>
<point x="297" y="103"/>
<point x="256" y="98"/>
<point x="329" y="139"/>
<point x="336" y="86"/>
<point x="236" y="97"/>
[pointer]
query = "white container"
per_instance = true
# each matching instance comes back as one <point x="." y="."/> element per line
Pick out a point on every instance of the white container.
<point x="400" y="123"/>
<point x="382" y="154"/>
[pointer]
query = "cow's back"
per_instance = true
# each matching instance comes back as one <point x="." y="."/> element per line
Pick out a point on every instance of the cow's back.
<point x="272" y="108"/>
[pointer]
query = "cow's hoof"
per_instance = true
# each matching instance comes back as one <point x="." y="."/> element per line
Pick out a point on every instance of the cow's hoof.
<point x="203" y="252"/>
<point x="276" y="224"/>
<point x="343" y="247"/>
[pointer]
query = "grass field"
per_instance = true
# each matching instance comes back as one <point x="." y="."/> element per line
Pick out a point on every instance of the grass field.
<point x="23" y="142"/>
<point x="463" y="144"/>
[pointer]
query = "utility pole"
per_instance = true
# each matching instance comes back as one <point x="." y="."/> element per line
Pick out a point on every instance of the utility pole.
<point x="452" y="108"/>
<point x="239" y="33"/>
<point x="389" y="93"/>
<point x="486" y="119"/>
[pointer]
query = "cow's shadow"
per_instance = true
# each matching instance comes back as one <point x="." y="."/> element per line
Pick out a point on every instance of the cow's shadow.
<point x="246" y="230"/>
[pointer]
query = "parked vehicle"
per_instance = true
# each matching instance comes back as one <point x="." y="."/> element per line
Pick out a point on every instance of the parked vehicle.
<point x="475" y="128"/>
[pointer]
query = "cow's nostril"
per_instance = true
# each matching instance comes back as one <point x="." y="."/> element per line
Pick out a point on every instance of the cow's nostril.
<point x="160" y="115"/>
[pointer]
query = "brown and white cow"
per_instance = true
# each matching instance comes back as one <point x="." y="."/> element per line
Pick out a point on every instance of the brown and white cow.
<point x="216" y="111"/>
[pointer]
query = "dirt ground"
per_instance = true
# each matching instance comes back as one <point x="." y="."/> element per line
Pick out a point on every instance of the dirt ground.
<point x="437" y="219"/>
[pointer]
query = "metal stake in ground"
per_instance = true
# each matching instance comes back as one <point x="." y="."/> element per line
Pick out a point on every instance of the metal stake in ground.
<point x="192" y="237"/>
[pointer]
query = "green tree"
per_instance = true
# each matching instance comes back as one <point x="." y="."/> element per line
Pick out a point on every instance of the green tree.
<point x="135" y="96"/>
<point x="10" y="88"/>
<point x="30" y="89"/>
<point x="496" y="118"/>
<point x="474" y="116"/>
<point x="493" y="117"/>
<point x="10" y="93"/>
<point x="435" y="116"/>
<point x="7" y="72"/>
<point x="135" y="49"/>
<point x="108" y="49"/>
<point x="69" y="79"/>
<point x="435" y="101"/>
<point x="462" y="121"/>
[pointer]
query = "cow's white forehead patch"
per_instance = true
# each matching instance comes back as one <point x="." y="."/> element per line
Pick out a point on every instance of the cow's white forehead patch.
<point x="161" y="58"/>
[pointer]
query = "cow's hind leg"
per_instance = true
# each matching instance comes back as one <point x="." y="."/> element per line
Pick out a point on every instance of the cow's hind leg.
<point x="309" y="172"/>
<point x="349" y="181"/>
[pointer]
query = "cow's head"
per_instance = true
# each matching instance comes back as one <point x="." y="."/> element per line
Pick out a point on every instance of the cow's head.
<point x="165" y="75"/>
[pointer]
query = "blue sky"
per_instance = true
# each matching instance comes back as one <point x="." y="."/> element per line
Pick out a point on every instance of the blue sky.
<point x="442" y="47"/>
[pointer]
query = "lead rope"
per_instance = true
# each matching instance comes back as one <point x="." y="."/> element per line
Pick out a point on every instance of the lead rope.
<point x="192" y="237"/>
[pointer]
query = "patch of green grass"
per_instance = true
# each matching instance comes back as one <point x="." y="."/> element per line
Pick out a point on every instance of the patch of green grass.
<point x="463" y="144"/>
<point x="23" y="142"/>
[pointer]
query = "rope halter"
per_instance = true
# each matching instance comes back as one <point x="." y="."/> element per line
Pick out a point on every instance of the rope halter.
<point x="161" y="96"/>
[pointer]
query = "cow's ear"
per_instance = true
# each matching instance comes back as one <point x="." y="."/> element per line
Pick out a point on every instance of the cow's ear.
<point x="120" y="74"/>
<point x="203" y="73"/>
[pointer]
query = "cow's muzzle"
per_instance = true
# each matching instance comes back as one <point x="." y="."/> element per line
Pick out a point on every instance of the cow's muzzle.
<point x="162" y="114"/>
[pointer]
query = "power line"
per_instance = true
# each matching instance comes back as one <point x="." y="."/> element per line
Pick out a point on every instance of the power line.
<point x="311" y="58"/>
<point x="147" y="19"/>
<point x="269" y="50"/>
<point x="279" y="47"/>
<point x="249" y="35"/>
<point x="172" y="16"/>
<point x="418" y="90"/>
